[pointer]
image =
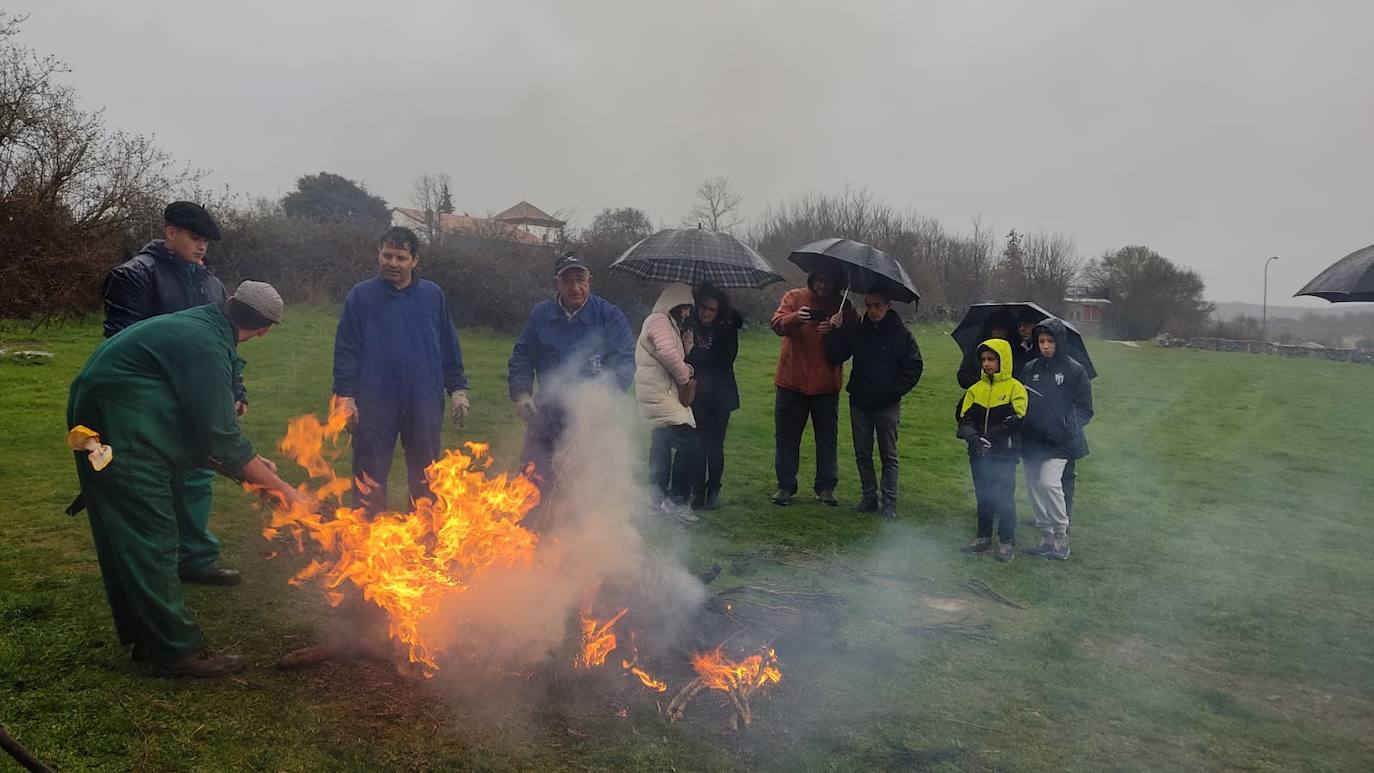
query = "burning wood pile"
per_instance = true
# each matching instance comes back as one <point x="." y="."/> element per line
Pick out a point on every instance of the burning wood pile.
<point x="398" y="572"/>
<point x="737" y="680"/>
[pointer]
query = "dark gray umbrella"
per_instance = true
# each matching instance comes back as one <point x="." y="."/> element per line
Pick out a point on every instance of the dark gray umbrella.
<point x="865" y="269"/>
<point x="694" y="256"/>
<point x="1349" y="279"/>
<point x="972" y="329"/>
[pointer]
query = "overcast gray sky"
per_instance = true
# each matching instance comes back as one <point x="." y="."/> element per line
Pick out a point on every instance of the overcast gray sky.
<point x="1218" y="133"/>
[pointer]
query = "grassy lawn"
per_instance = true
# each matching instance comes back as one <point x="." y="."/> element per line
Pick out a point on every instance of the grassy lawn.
<point x="1217" y="613"/>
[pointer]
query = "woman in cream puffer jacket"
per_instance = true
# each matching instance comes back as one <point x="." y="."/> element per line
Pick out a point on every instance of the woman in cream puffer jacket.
<point x="660" y="369"/>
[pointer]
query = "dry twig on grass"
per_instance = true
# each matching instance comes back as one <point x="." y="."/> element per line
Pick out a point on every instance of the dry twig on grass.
<point x="980" y="588"/>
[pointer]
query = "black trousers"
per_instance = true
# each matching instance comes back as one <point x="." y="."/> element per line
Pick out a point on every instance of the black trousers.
<point x="994" y="485"/>
<point x="674" y="454"/>
<point x="711" y="426"/>
<point x="865" y="425"/>
<point x="790" y="412"/>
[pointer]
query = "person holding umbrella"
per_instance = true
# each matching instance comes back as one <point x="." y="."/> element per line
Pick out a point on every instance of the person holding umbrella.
<point x="808" y="385"/>
<point x="887" y="365"/>
<point x="714" y="335"/>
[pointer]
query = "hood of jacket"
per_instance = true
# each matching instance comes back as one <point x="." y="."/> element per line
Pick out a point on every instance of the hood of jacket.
<point x="1054" y="327"/>
<point x="674" y="295"/>
<point x="1003" y="351"/>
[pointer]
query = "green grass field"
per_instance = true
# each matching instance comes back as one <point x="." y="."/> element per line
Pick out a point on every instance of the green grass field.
<point x="1217" y="613"/>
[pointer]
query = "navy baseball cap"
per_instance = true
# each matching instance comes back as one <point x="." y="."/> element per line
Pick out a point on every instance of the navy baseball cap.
<point x="570" y="260"/>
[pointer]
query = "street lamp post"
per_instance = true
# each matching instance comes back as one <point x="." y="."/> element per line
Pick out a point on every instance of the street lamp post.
<point x="1264" y="307"/>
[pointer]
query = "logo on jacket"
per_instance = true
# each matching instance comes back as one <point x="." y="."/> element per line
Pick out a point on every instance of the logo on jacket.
<point x="1059" y="379"/>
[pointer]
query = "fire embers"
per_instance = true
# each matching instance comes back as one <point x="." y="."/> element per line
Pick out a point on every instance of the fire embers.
<point x="407" y="563"/>
<point x="738" y="680"/>
<point x="599" y="640"/>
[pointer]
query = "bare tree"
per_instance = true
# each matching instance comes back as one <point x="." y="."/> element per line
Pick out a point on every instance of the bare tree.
<point x="74" y="192"/>
<point x="427" y="194"/>
<point x="1051" y="265"/>
<point x="717" y="206"/>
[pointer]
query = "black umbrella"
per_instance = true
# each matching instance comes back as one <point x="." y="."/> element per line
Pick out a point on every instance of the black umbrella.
<point x="1349" y="279"/>
<point x="695" y="256"/>
<point x="865" y="269"/>
<point x="972" y="329"/>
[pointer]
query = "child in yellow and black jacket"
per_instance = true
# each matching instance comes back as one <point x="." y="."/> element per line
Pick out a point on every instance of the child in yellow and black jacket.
<point x="990" y="418"/>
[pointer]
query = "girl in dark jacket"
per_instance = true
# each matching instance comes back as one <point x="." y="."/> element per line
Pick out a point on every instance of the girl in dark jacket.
<point x="715" y="343"/>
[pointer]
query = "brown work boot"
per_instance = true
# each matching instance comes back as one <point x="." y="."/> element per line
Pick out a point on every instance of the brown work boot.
<point x="213" y="575"/>
<point x="1060" y="549"/>
<point x="204" y="663"/>
<point x="1005" y="552"/>
<point x="978" y="545"/>
<point x="1045" y="546"/>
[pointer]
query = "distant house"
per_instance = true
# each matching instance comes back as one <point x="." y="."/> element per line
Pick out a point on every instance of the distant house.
<point x="467" y="225"/>
<point x="1086" y="314"/>
<point x="533" y="220"/>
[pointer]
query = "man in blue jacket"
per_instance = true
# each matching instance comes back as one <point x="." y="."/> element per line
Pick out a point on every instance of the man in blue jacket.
<point x="166" y="276"/>
<point x="573" y="337"/>
<point x="396" y="353"/>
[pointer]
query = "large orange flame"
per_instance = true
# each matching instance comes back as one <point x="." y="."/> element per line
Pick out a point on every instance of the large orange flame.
<point x="407" y="563"/>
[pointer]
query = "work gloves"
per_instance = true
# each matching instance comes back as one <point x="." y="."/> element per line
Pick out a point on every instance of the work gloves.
<point x="350" y="408"/>
<point x="524" y="408"/>
<point x="461" y="407"/>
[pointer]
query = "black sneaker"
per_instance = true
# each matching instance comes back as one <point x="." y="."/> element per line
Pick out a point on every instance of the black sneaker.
<point x="712" y="500"/>
<point x="890" y="511"/>
<point x="781" y="498"/>
<point x="827" y="498"/>
<point x="867" y="505"/>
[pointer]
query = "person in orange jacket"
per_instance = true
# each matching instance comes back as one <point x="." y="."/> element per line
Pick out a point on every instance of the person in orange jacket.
<point x="808" y="385"/>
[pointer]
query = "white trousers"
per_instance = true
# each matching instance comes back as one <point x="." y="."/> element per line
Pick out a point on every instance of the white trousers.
<point x="1045" y="484"/>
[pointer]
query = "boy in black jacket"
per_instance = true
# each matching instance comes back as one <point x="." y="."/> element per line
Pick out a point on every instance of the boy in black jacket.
<point x="887" y="365"/>
<point x="1061" y="404"/>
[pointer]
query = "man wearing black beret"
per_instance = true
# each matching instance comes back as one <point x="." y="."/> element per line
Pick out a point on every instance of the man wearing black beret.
<point x="169" y="275"/>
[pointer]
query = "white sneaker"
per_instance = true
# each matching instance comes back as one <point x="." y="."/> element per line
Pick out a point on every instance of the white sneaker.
<point x="682" y="513"/>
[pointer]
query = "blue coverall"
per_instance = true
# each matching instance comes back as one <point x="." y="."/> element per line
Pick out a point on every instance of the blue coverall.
<point x="557" y="350"/>
<point x="396" y="353"/>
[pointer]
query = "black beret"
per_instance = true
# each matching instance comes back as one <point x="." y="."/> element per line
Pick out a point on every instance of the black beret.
<point x="192" y="217"/>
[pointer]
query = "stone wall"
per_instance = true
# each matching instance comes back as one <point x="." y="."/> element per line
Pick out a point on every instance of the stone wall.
<point x="1258" y="347"/>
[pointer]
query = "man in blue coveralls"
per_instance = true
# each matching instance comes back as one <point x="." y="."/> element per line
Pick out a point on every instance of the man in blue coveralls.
<point x="573" y="337"/>
<point x="395" y="355"/>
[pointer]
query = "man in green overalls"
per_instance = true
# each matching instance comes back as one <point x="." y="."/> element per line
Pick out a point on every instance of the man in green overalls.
<point x="160" y="394"/>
